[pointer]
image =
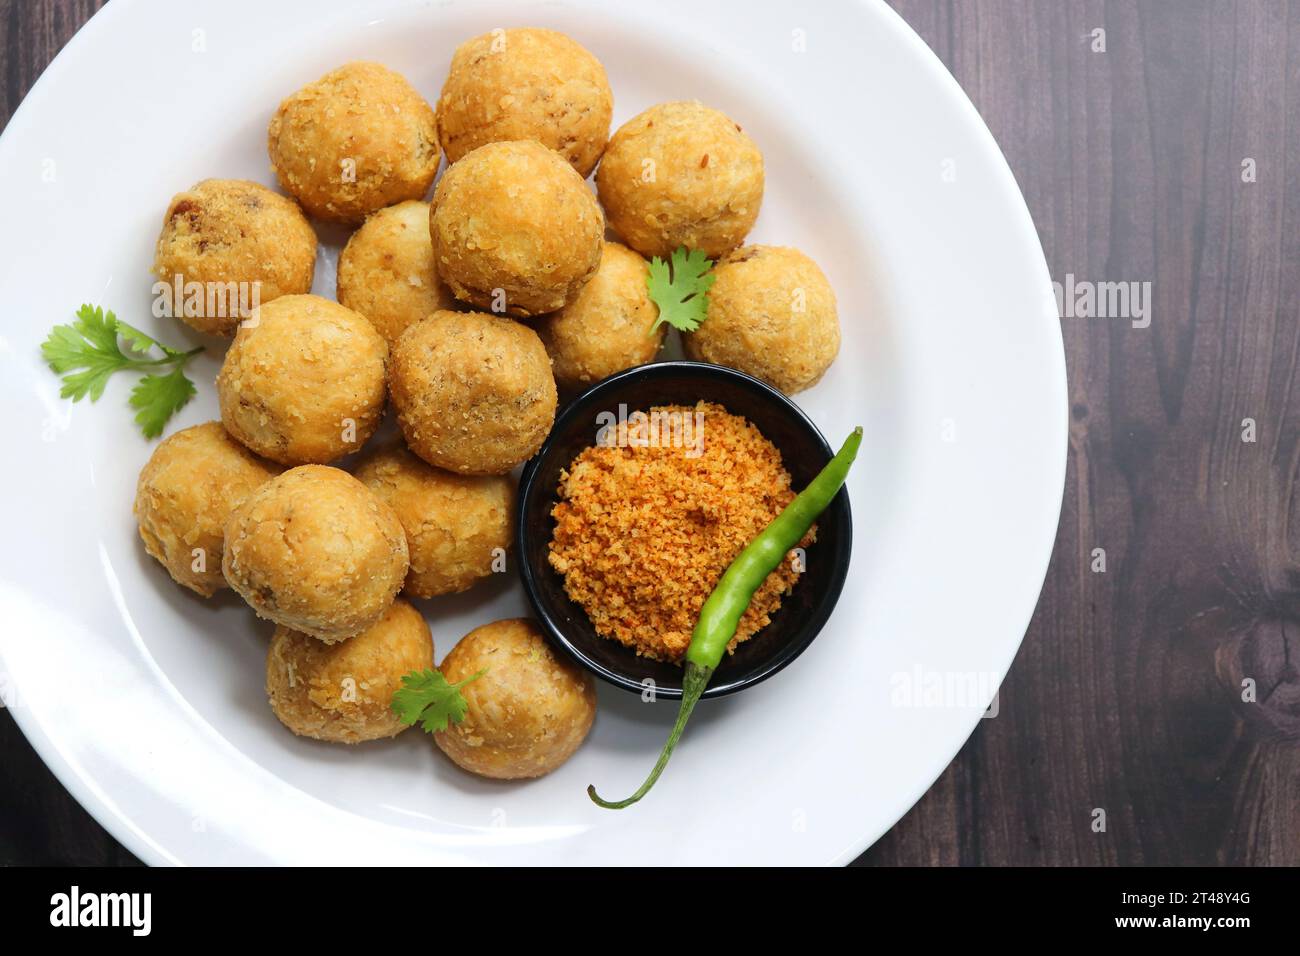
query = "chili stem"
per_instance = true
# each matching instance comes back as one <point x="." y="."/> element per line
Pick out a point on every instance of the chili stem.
<point x="694" y="680"/>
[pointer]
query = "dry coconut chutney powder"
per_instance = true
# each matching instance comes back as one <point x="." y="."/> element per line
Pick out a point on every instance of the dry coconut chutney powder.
<point x="645" y="526"/>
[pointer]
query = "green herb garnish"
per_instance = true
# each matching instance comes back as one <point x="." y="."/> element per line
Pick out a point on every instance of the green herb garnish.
<point x="87" y="352"/>
<point x="680" y="288"/>
<point x="427" y="697"/>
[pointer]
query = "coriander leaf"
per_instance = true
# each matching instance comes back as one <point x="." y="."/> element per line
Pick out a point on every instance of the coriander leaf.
<point x="88" y="344"/>
<point x="66" y="351"/>
<point x="99" y="328"/>
<point x="141" y="343"/>
<point x="425" y="696"/>
<point x="158" y="397"/>
<point x="413" y="696"/>
<point x="138" y="341"/>
<point x="680" y="288"/>
<point x="77" y="385"/>
<point x="86" y="354"/>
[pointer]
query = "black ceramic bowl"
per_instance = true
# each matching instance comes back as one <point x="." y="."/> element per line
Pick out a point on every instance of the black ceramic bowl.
<point x="803" y="612"/>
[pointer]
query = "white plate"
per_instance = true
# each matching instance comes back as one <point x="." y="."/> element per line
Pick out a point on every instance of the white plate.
<point x="148" y="704"/>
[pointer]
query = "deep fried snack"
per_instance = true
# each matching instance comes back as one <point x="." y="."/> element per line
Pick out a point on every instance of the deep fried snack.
<point x="528" y="712"/>
<point x="515" y="229"/>
<point x="341" y="692"/>
<point x="474" y="393"/>
<point x="306" y="384"/>
<point x="358" y="139"/>
<point x="186" y="491"/>
<point x="228" y="246"/>
<point x="386" y="270"/>
<point x="681" y="174"/>
<point x="606" y="329"/>
<point x="316" y="551"/>
<point x="458" y="527"/>
<point x="772" y="314"/>
<point x="526" y="83"/>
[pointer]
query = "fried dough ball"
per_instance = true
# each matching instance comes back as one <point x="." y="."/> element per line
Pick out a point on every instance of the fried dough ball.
<point x="358" y="139"/>
<point x="457" y="526"/>
<point x="386" y="270"/>
<point x="771" y="314"/>
<point x="306" y="384"/>
<point x="474" y="393"/>
<point x="529" y="711"/>
<point x="227" y="232"/>
<point x="606" y="329"/>
<point x="186" y="491"/>
<point x="314" y="550"/>
<point x="526" y="83"/>
<point x="341" y="692"/>
<point x="681" y="174"/>
<point x="514" y="228"/>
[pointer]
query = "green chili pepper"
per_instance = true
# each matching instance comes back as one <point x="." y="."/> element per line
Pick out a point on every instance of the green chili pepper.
<point x="721" y="612"/>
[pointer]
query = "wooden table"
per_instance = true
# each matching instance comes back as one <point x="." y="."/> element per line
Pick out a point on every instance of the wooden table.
<point x="1165" y="689"/>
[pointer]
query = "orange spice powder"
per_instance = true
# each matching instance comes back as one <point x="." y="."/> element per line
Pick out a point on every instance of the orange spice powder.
<point x="645" y="528"/>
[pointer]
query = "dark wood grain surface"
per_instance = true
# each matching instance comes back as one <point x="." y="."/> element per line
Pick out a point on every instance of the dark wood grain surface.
<point x="1163" y="690"/>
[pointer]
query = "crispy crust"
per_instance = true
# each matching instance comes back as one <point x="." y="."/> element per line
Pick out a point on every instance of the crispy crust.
<point x="358" y="139"/>
<point x="681" y="174"/>
<point x="474" y="392"/>
<point x="192" y="482"/>
<point x="529" y="711"/>
<point x="341" y="692"/>
<point x="386" y="270"/>
<point x="234" y="231"/>
<point x="454" y="524"/>
<point x="515" y="217"/>
<point x="306" y="383"/>
<point x="772" y="314"/>
<point x="526" y="83"/>
<point x="316" y="551"/>
<point x="606" y="328"/>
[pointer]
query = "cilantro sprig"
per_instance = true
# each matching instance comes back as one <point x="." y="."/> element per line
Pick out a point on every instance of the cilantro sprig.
<point x="425" y="696"/>
<point x="88" y="351"/>
<point x="680" y="288"/>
